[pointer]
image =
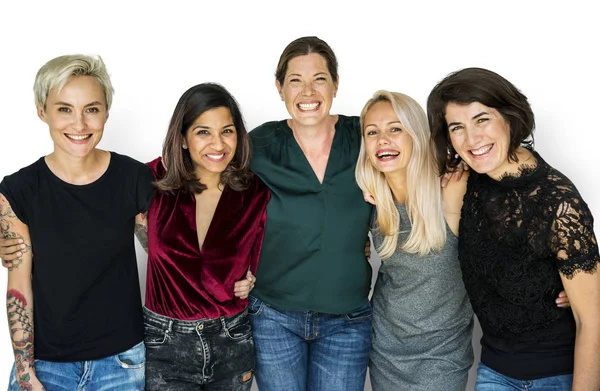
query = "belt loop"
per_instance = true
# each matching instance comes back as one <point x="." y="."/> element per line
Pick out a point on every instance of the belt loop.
<point x="223" y="323"/>
<point x="170" y="329"/>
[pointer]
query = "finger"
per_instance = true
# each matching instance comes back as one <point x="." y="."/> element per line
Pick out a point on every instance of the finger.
<point x="6" y="263"/>
<point x="10" y="242"/>
<point x="7" y="251"/>
<point x="445" y="179"/>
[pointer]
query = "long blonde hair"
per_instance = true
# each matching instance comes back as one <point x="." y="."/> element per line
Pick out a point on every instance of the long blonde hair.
<point x="423" y="196"/>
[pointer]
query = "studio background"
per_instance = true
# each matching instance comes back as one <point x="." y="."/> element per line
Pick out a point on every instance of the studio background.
<point x="155" y="51"/>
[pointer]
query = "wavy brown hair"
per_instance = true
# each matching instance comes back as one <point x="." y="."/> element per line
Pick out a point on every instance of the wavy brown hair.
<point x="180" y="173"/>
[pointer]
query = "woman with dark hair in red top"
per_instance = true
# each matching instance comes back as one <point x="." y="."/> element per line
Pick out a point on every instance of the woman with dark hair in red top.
<point x="203" y="232"/>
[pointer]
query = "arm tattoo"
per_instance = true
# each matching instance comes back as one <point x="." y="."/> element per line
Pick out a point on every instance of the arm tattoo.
<point x="141" y="231"/>
<point x="20" y="324"/>
<point x="6" y="215"/>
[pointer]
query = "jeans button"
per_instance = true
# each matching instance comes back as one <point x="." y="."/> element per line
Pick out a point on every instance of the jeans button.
<point x="200" y="327"/>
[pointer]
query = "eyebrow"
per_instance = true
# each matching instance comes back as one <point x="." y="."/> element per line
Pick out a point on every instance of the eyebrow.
<point x="316" y="74"/>
<point x="208" y="127"/>
<point x="474" y="117"/>
<point x="389" y="123"/>
<point x="95" y="103"/>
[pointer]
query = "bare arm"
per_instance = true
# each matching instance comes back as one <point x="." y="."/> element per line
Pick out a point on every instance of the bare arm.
<point x="576" y="251"/>
<point x="141" y="229"/>
<point x="19" y="299"/>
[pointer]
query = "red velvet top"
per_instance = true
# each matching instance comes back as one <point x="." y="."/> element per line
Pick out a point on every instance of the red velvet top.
<point x="186" y="282"/>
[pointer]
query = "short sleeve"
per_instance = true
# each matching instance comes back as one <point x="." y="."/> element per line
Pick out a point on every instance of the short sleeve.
<point x="16" y="190"/>
<point x="573" y="242"/>
<point x="145" y="189"/>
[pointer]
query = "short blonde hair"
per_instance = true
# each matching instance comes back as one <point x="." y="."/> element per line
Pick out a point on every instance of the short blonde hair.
<point x="58" y="71"/>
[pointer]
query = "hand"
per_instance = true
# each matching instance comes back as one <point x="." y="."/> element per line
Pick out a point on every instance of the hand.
<point x="455" y="175"/>
<point x="368" y="249"/>
<point x="28" y="381"/>
<point x="563" y="300"/>
<point x="243" y="287"/>
<point x="10" y="249"/>
<point x="369" y="198"/>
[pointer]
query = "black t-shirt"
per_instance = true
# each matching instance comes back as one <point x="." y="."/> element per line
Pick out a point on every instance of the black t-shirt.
<point x="86" y="291"/>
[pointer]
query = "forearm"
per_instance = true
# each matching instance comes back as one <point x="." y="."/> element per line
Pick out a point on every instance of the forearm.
<point x="19" y="309"/>
<point x="141" y="229"/>
<point x="586" y="375"/>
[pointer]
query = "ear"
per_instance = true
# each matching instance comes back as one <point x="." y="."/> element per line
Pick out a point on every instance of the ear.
<point x="41" y="114"/>
<point x="335" y="87"/>
<point x="278" y="86"/>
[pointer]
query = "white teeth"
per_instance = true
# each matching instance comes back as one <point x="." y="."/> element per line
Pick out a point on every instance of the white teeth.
<point x="386" y="154"/>
<point x="482" y="150"/>
<point x="308" y="106"/>
<point x="219" y="156"/>
<point x="78" y="138"/>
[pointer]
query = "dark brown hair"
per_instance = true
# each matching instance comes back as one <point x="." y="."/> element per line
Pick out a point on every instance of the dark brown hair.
<point x="180" y="173"/>
<point x="301" y="47"/>
<point x="488" y="88"/>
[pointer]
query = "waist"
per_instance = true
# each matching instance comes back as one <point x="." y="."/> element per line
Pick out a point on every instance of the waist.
<point x="206" y="325"/>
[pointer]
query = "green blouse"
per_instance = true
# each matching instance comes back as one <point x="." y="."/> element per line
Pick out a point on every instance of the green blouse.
<point x="312" y="257"/>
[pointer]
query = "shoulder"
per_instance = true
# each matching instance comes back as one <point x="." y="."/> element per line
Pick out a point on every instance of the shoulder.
<point x="266" y="130"/>
<point x="25" y="178"/>
<point x="350" y="124"/>
<point x="157" y="167"/>
<point x="258" y="188"/>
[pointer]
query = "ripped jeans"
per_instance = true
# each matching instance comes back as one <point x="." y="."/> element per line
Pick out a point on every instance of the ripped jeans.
<point x="205" y="354"/>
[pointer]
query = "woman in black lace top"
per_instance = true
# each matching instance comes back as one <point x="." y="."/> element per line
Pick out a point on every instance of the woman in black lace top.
<point x="525" y="232"/>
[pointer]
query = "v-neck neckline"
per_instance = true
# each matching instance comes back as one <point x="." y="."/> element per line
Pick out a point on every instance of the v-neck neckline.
<point x="299" y="150"/>
<point x="201" y="247"/>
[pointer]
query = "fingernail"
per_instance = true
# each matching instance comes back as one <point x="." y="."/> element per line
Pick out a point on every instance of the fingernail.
<point x="22" y="246"/>
<point x="19" y="254"/>
<point x="20" y="240"/>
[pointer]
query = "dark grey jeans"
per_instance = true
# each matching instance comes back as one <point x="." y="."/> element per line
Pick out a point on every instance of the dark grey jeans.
<point x="204" y="354"/>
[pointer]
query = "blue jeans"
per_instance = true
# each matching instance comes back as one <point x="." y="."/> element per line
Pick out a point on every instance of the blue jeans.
<point x="205" y="354"/>
<point x="490" y="380"/>
<point x="121" y="372"/>
<point x="299" y="351"/>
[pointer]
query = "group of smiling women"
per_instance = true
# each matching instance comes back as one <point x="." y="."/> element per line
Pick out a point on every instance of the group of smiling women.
<point x="286" y="203"/>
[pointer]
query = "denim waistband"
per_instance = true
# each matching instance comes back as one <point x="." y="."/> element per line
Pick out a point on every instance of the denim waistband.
<point x="193" y="326"/>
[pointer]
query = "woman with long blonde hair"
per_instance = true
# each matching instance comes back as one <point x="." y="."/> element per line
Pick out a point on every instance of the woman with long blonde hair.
<point x="422" y="318"/>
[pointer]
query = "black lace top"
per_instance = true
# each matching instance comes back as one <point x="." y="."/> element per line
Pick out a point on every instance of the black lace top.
<point x="516" y="235"/>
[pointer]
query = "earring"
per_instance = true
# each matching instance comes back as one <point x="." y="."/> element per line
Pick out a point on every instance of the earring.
<point x="184" y="146"/>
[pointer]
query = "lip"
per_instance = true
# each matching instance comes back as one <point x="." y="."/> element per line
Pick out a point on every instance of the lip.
<point x="216" y="159"/>
<point x="317" y="105"/>
<point x="392" y="154"/>
<point x="79" y="142"/>
<point x="483" y="155"/>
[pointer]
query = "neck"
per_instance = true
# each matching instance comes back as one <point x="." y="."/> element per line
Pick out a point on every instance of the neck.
<point x="397" y="183"/>
<point x="77" y="170"/>
<point x="314" y="134"/>
<point x="524" y="158"/>
<point x="212" y="181"/>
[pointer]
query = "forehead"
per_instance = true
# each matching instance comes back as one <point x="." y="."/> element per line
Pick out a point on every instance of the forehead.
<point x="79" y="87"/>
<point x="312" y="61"/>
<point x="454" y="109"/>
<point x="381" y="110"/>
<point x="215" y="115"/>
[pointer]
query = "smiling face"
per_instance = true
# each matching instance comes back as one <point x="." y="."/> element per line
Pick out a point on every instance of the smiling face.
<point x="481" y="136"/>
<point x="308" y="89"/>
<point x="211" y="141"/>
<point x="387" y="143"/>
<point x="76" y="116"/>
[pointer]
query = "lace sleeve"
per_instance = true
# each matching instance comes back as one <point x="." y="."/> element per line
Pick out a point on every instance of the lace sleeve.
<point x="573" y="242"/>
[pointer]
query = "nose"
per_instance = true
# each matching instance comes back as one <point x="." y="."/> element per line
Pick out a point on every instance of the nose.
<point x="382" y="139"/>
<point x="473" y="135"/>
<point x="217" y="142"/>
<point x="78" y="122"/>
<point x="307" y="89"/>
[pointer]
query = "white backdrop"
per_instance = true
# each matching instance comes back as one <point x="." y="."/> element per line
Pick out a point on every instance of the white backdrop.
<point x="154" y="52"/>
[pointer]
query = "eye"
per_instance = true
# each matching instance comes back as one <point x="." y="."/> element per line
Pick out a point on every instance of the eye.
<point x="229" y="130"/>
<point x="482" y="120"/>
<point x="455" y="128"/>
<point x="371" y="132"/>
<point x="202" y="132"/>
<point x="396" y="129"/>
<point x="93" y="110"/>
<point x="294" y="81"/>
<point x="321" y="79"/>
<point x="64" y="109"/>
